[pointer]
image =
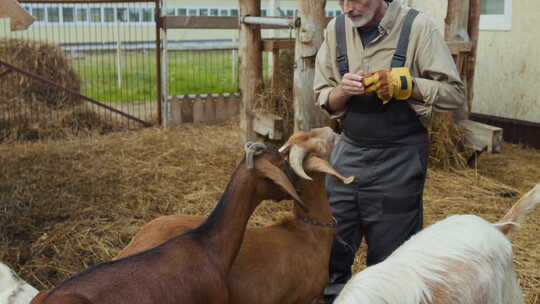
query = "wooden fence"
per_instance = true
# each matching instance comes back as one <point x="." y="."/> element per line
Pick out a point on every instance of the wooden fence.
<point x="205" y="108"/>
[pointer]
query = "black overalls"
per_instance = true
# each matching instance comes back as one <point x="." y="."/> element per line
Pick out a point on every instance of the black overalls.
<point x="386" y="148"/>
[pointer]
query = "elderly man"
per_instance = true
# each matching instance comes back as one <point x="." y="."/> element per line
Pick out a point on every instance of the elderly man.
<point x="382" y="69"/>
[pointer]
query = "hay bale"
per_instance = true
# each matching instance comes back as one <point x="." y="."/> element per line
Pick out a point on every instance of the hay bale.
<point x="80" y="121"/>
<point x="43" y="59"/>
<point x="447" y="143"/>
<point x="281" y="104"/>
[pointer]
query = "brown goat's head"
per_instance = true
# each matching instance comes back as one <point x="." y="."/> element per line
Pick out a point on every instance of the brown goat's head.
<point x="271" y="170"/>
<point x="317" y="145"/>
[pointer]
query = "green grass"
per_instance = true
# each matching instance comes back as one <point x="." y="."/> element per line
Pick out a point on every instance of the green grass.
<point x="190" y="72"/>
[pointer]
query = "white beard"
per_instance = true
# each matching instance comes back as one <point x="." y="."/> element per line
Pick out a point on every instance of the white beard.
<point x="359" y="21"/>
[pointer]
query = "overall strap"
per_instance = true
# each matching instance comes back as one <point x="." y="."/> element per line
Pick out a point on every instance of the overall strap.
<point x="341" y="41"/>
<point x="400" y="56"/>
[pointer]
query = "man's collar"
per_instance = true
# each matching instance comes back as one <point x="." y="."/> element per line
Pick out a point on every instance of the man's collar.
<point x="391" y="16"/>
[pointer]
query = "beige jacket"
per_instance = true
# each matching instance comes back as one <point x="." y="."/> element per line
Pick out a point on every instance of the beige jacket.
<point x="428" y="58"/>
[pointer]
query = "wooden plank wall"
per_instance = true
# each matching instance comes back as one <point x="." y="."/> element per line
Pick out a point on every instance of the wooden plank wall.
<point x="204" y="108"/>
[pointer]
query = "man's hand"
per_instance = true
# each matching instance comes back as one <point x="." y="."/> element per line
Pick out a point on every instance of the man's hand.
<point x="395" y="83"/>
<point x="351" y="84"/>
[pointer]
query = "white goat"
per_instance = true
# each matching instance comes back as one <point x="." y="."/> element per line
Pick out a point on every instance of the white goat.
<point x="460" y="260"/>
<point x="13" y="289"/>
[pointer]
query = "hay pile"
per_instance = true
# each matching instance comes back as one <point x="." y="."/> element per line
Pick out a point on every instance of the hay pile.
<point x="281" y="104"/>
<point x="43" y="59"/>
<point x="79" y="121"/>
<point x="67" y="205"/>
<point x="447" y="143"/>
<point x="31" y="109"/>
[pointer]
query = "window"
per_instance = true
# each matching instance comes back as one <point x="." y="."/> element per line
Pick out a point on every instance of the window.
<point x="338" y="12"/>
<point x="108" y="14"/>
<point x="169" y="12"/>
<point x="95" y="14"/>
<point x="224" y="12"/>
<point x="38" y="13"/>
<point x="147" y="15"/>
<point x="134" y="15"/>
<point x="53" y="14"/>
<point x="234" y="12"/>
<point x="290" y="13"/>
<point x="214" y="12"/>
<point x="192" y="12"/>
<point x="121" y="14"/>
<point x="496" y="15"/>
<point x="82" y="14"/>
<point x="182" y="12"/>
<point x="330" y="13"/>
<point x="68" y="14"/>
<point x="203" y="12"/>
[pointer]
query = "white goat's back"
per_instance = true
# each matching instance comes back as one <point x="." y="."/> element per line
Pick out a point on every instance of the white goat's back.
<point x="462" y="259"/>
<point x="13" y="289"/>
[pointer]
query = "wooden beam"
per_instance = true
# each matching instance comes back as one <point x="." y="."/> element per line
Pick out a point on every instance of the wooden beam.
<point x="269" y="45"/>
<point x="479" y="136"/>
<point x="269" y="125"/>
<point x="200" y="22"/>
<point x="457" y="47"/>
<point x="210" y="22"/>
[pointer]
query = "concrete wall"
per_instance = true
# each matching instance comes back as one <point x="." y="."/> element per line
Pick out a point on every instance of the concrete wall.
<point x="507" y="79"/>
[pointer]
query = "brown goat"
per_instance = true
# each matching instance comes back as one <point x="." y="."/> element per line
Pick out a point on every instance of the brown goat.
<point x="286" y="262"/>
<point x="190" y="267"/>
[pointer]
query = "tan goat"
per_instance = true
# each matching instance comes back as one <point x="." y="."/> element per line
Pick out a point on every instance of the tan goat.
<point x="286" y="262"/>
<point x="191" y="267"/>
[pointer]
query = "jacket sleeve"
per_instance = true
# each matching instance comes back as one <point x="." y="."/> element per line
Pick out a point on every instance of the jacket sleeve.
<point x="438" y="80"/>
<point x="324" y="80"/>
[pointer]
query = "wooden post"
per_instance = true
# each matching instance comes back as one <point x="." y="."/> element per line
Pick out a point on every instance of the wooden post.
<point x="250" y="67"/>
<point x="457" y="20"/>
<point x="309" y="38"/>
<point x="275" y="72"/>
<point x="474" y="28"/>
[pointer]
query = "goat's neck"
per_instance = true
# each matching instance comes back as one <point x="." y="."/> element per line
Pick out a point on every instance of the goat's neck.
<point x="314" y="195"/>
<point x="224" y="229"/>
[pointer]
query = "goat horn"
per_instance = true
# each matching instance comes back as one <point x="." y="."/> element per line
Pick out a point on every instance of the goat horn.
<point x="296" y="159"/>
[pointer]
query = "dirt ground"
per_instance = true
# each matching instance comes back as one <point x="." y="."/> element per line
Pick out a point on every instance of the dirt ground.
<point x="67" y="205"/>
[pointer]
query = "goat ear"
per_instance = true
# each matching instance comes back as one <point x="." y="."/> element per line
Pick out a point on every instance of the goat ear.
<point x="277" y="176"/>
<point x="314" y="163"/>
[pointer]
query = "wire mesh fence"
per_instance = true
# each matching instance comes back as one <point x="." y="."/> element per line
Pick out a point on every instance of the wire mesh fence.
<point x="105" y="54"/>
<point x="104" y="51"/>
<point x="203" y="70"/>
